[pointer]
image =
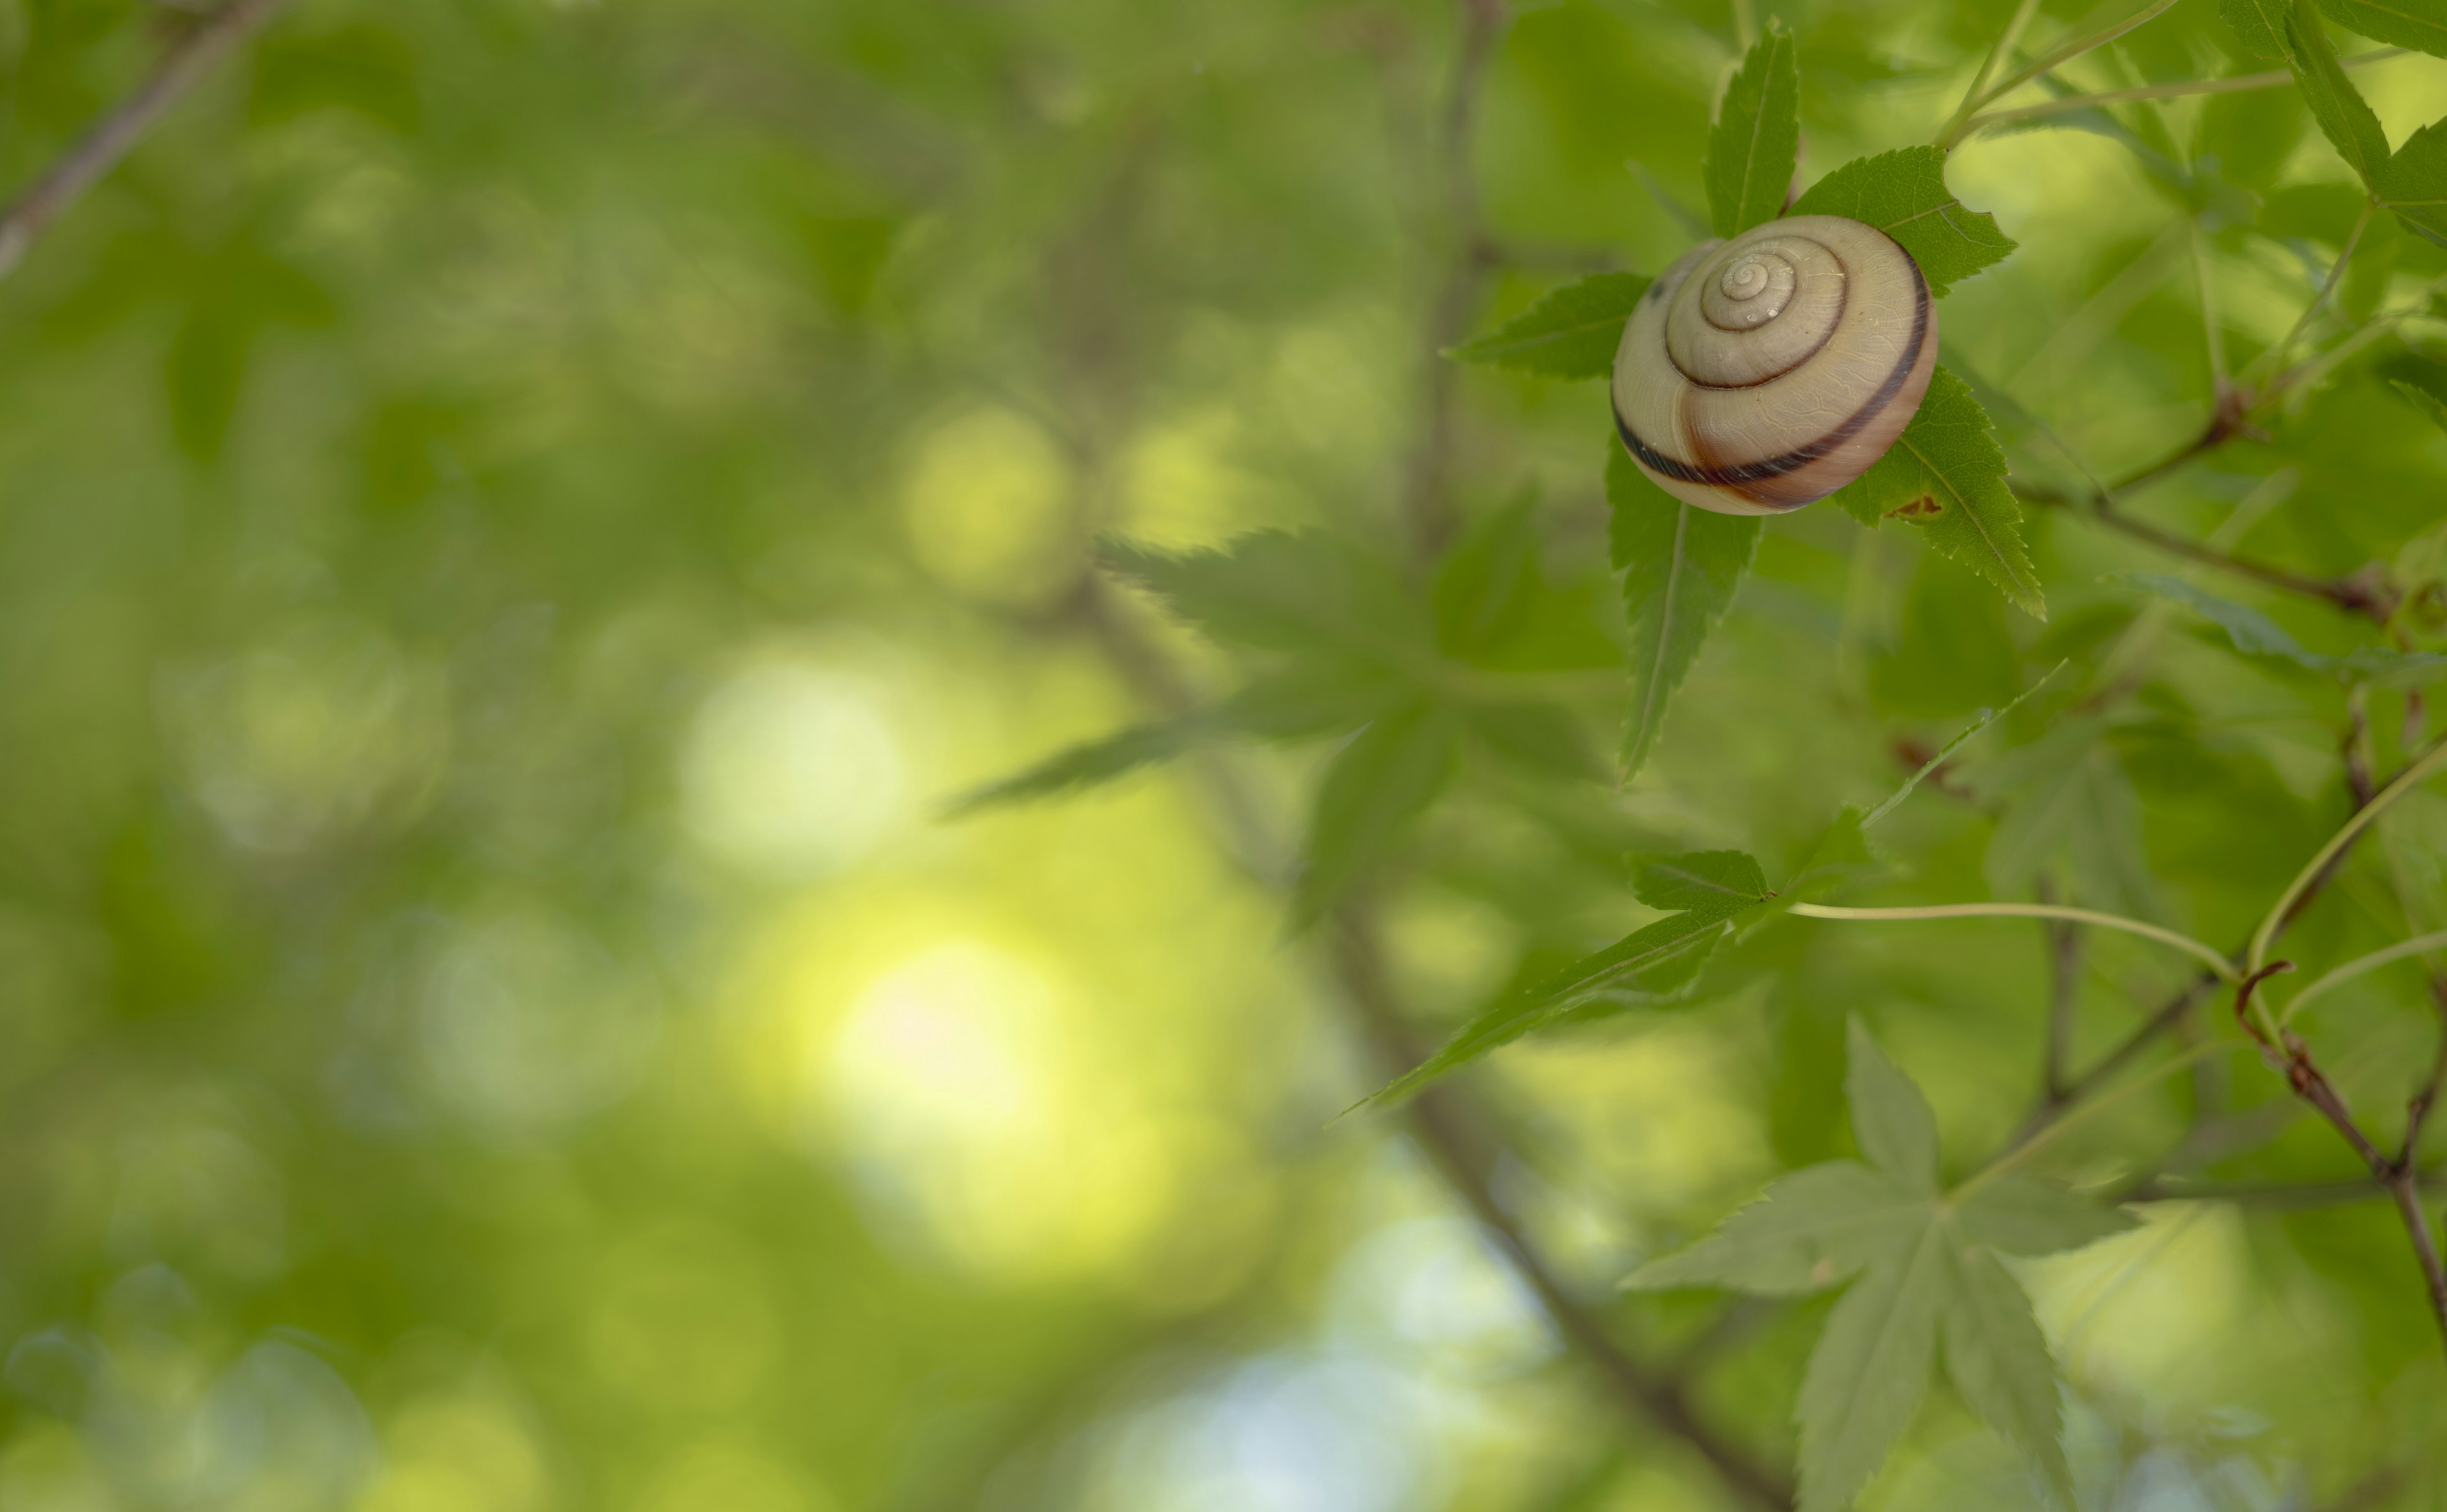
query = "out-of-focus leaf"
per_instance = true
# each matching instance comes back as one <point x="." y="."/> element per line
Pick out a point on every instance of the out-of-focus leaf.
<point x="1646" y="965"/>
<point x="1806" y="1232"/>
<point x="1540" y="739"/>
<point x="1945" y="753"/>
<point x="2413" y="182"/>
<point x="1953" y="650"/>
<point x="1718" y="883"/>
<point x="1375" y="788"/>
<point x="1757" y="137"/>
<point x="1925" y="1271"/>
<point x="1999" y="1360"/>
<point x="1681" y="567"/>
<point x="1484" y="580"/>
<point x="1091" y="763"/>
<point x="2420" y="25"/>
<point x="2015" y="1213"/>
<point x="205" y="374"/>
<point x="1947" y="475"/>
<point x="1903" y="193"/>
<point x="2069" y="801"/>
<point x="2423" y="399"/>
<point x="2253" y="634"/>
<point x="1892" y="1121"/>
<point x="1572" y="332"/>
<point x="1839" y="856"/>
<point x="2346" y="119"/>
<point x="1870" y="1370"/>
<point x="1275" y="591"/>
<point x="1316" y="695"/>
<point x="363" y="69"/>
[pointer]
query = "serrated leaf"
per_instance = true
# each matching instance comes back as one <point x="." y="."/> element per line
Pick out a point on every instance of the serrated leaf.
<point x="1870" y="1372"/>
<point x="1375" y="788"/>
<point x="1903" y="193"/>
<point x="1890" y="1119"/>
<point x="1945" y="753"/>
<point x="1485" y="580"/>
<point x="2344" y="118"/>
<point x="2413" y="184"/>
<point x="1999" y="1360"/>
<point x="2015" y="1214"/>
<point x="1647" y="962"/>
<point x="1946" y="475"/>
<point x="1806" y="1232"/>
<point x="1720" y="884"/>
<point x="1276" y="591"/>
<point x="2423" y="399"/>
<point x="2420" y="25"/>
<point x="1839" y="856"/>
<point x="1091" y="763"/>
<point x="2070" y="800"/>
<point x="1316" y="695"/>
<point x="2260" y="25"/>
<point x="1572" y="332"/>
<point x="1756" y="139"/>
<point x="1682" y="565"/>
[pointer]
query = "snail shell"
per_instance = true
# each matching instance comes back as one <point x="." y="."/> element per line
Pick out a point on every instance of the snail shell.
<point x="1763" y="373"/>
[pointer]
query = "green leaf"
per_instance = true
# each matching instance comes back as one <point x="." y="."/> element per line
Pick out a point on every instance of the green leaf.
<point x="1540" y="738"/>
<point x="1946" y="476"/>
<point x="1275" y="591"/>
<point x="1375" y="788"/>
<point x="1946" y="752"/>
<point x="1757" y="139"/>
<point x="1999" y="1360"/>
<point x="2260" y="25"/>
<point x="1809" y="1231"/>
<point x="2069" y="801"/>
<point x="1870" y="1372"/>
<point x="1645" y="964"/>
<point x="1681" y="567"/>
<point x="1484" y="581"/>
<point x="2015" y="1214"/>
<point x="2423" y="399"/>
<point x="1572" y="332"/>
<point x="2253" y="634"/>
<point x="2344" y="116"/>
<point x="1903" y="193"/>
<point x="1890" y="1119"/>
<point x="1718" y="883"/>
<point x="1317" y="695"/>
<point x="2414" y="184"/>
<point x="1091" y="763"/>
<point x="2420" y="25"/>
<point x="1839" y="856"/>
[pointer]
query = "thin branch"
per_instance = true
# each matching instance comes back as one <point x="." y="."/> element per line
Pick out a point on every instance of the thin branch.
<point x="1976" y="95"/>
<point x="2360" y="966"/>
<point x="2333" y="851"/>
<point x="2275" y="356"/>
<point x="1460" y="1153"/>
<point x="2062" y="53"/>
<point x="61" y="185"/>
<point x="2285" y="1196"/>
<point x="2201" y="950"/>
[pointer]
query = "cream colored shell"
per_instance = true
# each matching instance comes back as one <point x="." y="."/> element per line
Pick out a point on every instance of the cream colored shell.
<point x="1762" y="373"/>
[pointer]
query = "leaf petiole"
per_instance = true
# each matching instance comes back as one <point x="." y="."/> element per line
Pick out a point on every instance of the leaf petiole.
<point x="2207" y="955"/>
<point x="2406" y="781"/>
<point x="2363" y="966"/>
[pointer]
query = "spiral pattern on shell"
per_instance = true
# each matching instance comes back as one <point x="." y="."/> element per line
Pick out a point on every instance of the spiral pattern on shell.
<point x="1763" y="373"/>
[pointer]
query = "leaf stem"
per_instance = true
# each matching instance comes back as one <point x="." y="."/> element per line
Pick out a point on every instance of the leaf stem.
<point x="2361" y="966"/>
<point x="2410" y="778"/>
<point x="2066" y="52"/>
<point x="2083" y="1113"/>
<point x="2275" y="356"/>
<point x="2239" y="83"/>
<point x="1975" y="96"/>
<point x="2207" y="955"/>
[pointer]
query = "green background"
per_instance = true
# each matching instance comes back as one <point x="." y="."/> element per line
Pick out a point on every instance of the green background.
<point x="515" y="516"/>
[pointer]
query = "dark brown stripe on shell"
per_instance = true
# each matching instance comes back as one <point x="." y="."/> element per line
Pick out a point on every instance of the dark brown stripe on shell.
<point x="1802" y="456"/>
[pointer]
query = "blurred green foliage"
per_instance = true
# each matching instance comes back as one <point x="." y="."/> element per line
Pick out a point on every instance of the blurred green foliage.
<point x="521" y="516"/>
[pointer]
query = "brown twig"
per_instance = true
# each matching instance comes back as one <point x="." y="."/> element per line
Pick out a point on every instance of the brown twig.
<point x="2361" y="593"/>
<point x="1453" y="1140"/>
<point x="1426" y="502"/>
<point x="100" y="149"/>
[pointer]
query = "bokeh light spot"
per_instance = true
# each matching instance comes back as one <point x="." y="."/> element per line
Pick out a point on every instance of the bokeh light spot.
<point x="792" y="770"/>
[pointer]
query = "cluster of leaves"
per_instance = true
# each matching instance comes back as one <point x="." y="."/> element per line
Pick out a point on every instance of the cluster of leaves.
<point x="2411" y="181"/>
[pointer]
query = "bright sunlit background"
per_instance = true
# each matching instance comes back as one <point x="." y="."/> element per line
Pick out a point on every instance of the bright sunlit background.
<point x="516" y="517"/>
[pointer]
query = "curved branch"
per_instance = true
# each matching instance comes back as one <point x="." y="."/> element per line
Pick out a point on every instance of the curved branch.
<point x="2201" y="949"/>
